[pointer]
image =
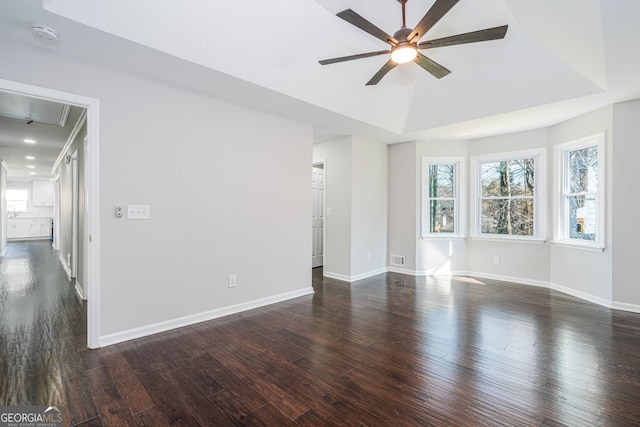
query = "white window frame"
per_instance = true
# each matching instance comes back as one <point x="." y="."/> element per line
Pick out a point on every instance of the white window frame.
<point x="539" y="199"/>
<point x="561" y="217"/>
<point x="27" y="201"/>
<point x="458" y="201"/>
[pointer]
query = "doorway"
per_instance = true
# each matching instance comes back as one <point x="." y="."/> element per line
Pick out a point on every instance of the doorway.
<point x="90" y="239"/>
<point x="317" y="215"/>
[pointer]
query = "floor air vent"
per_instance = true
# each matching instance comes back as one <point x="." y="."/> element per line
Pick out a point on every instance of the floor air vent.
<point x="397" y="260"/>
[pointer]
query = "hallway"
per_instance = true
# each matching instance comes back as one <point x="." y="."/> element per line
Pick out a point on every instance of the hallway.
<point x="42" y="326"/>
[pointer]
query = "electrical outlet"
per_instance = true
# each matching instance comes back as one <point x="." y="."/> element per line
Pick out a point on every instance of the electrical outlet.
<point x="496" y="260"/>
<point x="232" y="281"/>
<point x="137" y="211"/>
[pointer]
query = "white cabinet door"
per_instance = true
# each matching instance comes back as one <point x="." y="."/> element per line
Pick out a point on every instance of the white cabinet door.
<point x="42" y="194"/>
<point x="18" y="228"/>
<point x="45" y="227"/>
<point x="34" y="228"/>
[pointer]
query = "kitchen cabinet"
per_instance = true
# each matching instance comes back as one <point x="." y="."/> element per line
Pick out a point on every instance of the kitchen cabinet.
<point x="18" y="228"/>
<point x="28" y="228"/>
<point x="45" y="227"/>
<point x="42" y="193"/>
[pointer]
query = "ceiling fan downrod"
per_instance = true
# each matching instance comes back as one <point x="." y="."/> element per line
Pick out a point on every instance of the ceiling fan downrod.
<point x="404" y="17"/>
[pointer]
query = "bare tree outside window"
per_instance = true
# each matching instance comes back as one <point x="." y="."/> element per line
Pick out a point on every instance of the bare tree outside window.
<point x="581" y="196"/>
<point x="442" y="198"/>
<point x="507" y="197"/>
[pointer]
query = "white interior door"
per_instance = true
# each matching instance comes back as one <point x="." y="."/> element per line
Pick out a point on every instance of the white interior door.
<point x="317" y="222"/>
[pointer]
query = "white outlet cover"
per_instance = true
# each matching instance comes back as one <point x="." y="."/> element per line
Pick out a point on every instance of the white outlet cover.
<point x="137" y="211"/>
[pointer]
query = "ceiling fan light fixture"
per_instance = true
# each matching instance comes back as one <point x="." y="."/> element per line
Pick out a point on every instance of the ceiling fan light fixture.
<point x="403" y="53"/>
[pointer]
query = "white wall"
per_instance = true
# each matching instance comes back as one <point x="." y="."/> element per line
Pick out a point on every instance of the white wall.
<point x="403" y="205"/>
<point x="369" y="208"/>
<point x="626" y="152"/>
<point x="439" y="256"/>
<point x="527" y="261"/>
<point x="578" y="270"/>
<point x="3" y="210"/>
<point x="228" y="190"/>
<point x="337" y="250"/>
<point x="355" y="193"/>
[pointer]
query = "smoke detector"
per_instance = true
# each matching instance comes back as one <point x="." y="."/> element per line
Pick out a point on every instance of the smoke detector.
<point x="44" y="34"/>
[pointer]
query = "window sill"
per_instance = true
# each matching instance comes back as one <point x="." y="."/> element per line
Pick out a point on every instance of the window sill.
<point x="442" y="237"/>
<point x="580" y="246"/>
<point x="508" y="240"/>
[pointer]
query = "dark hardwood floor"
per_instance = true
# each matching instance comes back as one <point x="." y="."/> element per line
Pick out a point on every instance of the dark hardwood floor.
<point x="391" y="350"/>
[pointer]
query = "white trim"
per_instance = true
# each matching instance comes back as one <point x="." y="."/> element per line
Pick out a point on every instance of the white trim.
<point x="79" y="291"/>
<point x="634" y="308"/>
<point x="560" y="232"/>
<point x="512" y="279"/>
<point x="336" y="276"/>
<point x="392" y="269"/>
<point x="72" y="137"/>
<point x="93" y="213"/>
<point x="368" y="274"/>
<point x="583" y="247"/>
<point x="192" y="319"/>
<point x="582" y="295"/>
<point x="507" y="239"/>
<point x="539" y="196"/>
<point x="356" y="277"/>
<point x="65" y="266"/>
<point x="460" y="208"/>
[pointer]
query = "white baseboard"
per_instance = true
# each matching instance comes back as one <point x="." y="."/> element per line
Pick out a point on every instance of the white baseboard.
<point x="582" y="295"/>
<point x="180" y="322"/>
<point x="520" y="280"/>
<point x="356" y="277"/>
<point x="400" y="270"/>
<point x="79" y="291"/>
<point x="336" y="276"/>
<point x="634" y="308"/>
<point x="66" y="267"/>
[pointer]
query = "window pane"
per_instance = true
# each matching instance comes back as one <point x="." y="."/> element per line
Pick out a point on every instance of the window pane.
<point x="441" y="180"/>
<point x="508" y="178"/>
<point x="442" y="216"/>
<point x="582" y="217"/>
<point x="17" y="195"/>
<point x="583" y="170"/>
<point x="507" y="216"/>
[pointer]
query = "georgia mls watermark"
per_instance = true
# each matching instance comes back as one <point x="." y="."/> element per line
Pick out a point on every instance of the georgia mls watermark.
<point x="31" y="416"/>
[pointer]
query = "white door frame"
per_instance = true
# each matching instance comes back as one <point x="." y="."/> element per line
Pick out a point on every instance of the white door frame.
<point x="323" y="162"/>
<point x="92" y="238"/>
<point x="75" y="215"/>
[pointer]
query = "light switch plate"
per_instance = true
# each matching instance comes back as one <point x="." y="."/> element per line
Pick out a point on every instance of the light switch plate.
<point x="137" y="211"/>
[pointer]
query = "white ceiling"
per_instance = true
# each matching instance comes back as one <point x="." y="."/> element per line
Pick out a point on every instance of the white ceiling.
<point x="47" y="123"/>
<point x="559" y="59"/>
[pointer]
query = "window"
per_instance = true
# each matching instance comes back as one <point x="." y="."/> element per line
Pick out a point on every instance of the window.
<point x="441" y="197"/>
<point x="509" y="193"/>
<point x="581" y="174"/>
<point x="17" y="200"/>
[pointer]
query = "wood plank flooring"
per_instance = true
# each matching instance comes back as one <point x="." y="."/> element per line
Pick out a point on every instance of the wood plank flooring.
<point x="392" y="350"/>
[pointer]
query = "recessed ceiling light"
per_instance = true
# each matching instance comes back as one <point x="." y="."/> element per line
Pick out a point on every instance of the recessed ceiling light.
<point x="31" y="166"/>
<point x="30" y="141"/>
<point x="29" y="157"/>
<point x="32" y="173"/>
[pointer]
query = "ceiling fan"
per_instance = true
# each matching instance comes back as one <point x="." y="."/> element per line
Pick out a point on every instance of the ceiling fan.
<point x="405" y="43"/>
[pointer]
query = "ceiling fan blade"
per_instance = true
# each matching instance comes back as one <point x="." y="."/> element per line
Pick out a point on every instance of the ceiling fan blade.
<point x="381" y="73"/>
<point x="472" y="37"/>
<point x="437" y="11"/>
<point x="437" y="70"/>
<point x="351" y="57"/>
<point x="353" y="18"/>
